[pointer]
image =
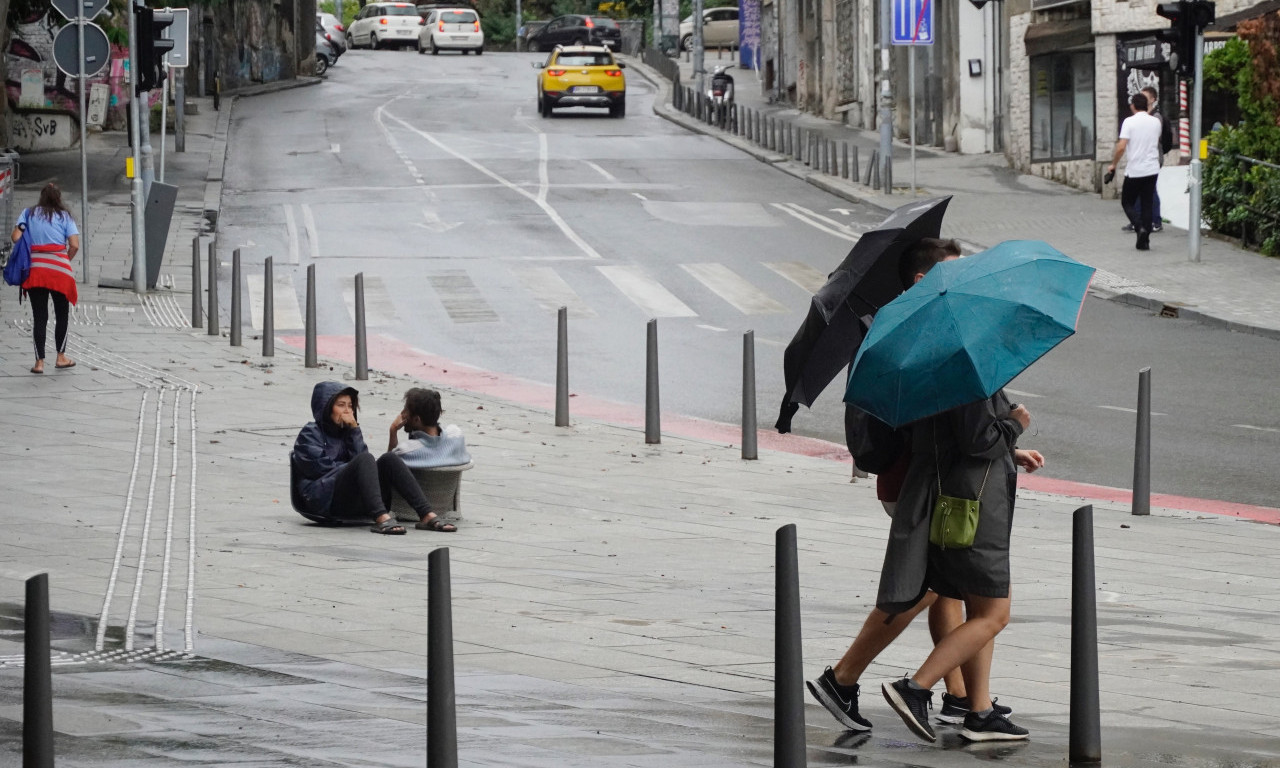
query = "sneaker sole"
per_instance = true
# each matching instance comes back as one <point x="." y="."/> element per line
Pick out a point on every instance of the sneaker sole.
<point x="834" y="708"/>
<point x="951" y="719"/>
<point x="991" y="736"/>
<point x="899" y="705"/>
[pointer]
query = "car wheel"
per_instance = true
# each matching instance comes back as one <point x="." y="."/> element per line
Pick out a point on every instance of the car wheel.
<point x="322" y="65"/>
<point x="373" y="42"/>
<point x="421" y="50"/>
<point x="535" y="48"/>
<point x="686" y="43"/>
<point x="546" y="108"/>
<point x="435" y="50"/>
<point x="479" y="51"/>
<point x="619" y="109"/>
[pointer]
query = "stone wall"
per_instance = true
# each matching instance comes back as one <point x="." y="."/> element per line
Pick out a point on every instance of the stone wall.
<point x="260" y="41"/>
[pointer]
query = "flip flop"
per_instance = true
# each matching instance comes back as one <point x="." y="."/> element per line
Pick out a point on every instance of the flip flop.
<point x="436" y="524"/>
<point x="71" y="364"/>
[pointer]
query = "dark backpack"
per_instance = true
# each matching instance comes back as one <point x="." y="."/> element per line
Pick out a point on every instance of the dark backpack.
<point x="874" y="445"/>
<point x="1166" y="135"/>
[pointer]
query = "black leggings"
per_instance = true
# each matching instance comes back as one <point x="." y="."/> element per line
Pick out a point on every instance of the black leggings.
<point x="40" y="313"/>
<point x="363" y="488"/>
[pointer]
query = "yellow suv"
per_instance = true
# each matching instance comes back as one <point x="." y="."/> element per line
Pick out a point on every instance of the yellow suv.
<point x="582" y="76"/>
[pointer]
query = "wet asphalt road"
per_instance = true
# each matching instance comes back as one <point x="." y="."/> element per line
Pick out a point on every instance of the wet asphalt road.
<point x="473" y="219"/>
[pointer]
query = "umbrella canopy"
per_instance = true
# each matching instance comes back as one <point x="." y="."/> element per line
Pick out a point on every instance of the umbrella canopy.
<point x="967" y="329"/>
<point x="839" y="312"/>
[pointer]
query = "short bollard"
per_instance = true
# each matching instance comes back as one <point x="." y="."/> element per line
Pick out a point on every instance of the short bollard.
<point x="37" y="678"/>
<point x="268" y="309"/>
<point x="235" y="298"/>
<point x="562" y="367"/>
<point x="844" y="167"/>
<point x="652" y="417"/>
<point x="886" y="182"/>
<point x="749" y="395"/>
<point x="1142" y="447"/>
<point x="213" y="288"/>
<point x="311" y="360"/>
<point x="362" y="348"/>
<point x="853" y="170"/>
<point x="788" y="661"/>
<point x="871" y="166"/>
<point x="442" y="718"/>
<point x="1086" y="728"/>
<point x="197" y="311"/>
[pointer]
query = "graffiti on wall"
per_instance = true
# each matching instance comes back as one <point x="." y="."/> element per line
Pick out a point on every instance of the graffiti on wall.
<point x="749" y="34"/>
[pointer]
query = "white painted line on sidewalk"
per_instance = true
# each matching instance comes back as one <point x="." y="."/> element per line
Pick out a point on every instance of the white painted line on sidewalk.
<point x="714" y="328"/>
<point x="287" y="314"/>
<point x="645" y="292"/>
<point x="733" y="288"/>
<point x="291" y="227"/>
<point x="1128" y="410"/>
<point x="378" y="307"/>
<point x="801" y="274"/>
<point x="551" y="291"/>
<point x="313" y="235"/>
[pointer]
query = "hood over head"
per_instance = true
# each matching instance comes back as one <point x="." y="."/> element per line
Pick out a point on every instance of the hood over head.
<point x="322" y="398"/>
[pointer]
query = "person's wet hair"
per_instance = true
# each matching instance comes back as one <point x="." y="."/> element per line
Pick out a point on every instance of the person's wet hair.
<point x="50" y="203"/>
<point x="1139" y="101"/>
<point x="921" y="257"/>
<point x="425" y="404"/>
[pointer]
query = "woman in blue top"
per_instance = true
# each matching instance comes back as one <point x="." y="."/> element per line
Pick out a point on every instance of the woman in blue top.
<point x="54" y="240"/>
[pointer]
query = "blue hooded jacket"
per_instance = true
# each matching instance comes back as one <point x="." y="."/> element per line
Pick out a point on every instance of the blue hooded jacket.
<point x="323" y="448"/>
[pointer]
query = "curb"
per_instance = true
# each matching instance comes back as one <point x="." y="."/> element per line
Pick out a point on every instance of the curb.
<point x="217" y="166"/>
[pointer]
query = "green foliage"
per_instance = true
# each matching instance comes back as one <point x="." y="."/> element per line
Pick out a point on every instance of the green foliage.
<point x="349" y="10"/>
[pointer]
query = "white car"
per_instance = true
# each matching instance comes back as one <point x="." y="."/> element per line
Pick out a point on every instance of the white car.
<point x="719" y="29"/>
<point x="451" y="29"/>
<point x="379" y="25"/>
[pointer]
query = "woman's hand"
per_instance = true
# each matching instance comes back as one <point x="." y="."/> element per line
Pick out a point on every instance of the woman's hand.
<point x="1028" y="460"/>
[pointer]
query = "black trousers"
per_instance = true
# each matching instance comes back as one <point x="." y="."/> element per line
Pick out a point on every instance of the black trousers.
<point x="362" y="489"/>
<point x="1135" y="193"/>
<point x="40" y="314"/>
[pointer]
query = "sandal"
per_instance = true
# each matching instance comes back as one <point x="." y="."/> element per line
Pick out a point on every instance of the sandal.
<point x="388" y="527"/>
<point x="436" y="524"/>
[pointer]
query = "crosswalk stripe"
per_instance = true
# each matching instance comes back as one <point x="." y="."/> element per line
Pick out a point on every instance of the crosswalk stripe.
<point x="734" y="288"/>
<point x="460" y="297"/>
<point x="645" y="292"/>
<point x="799" y="273"/>
<point x="550" y="291"/>
<point x="287" y="314"/>
<point x="378" y="309"/>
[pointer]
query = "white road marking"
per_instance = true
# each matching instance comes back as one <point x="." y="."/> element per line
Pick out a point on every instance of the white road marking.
<point x="291" y="227"/>
<point x="287" y="314"/>
<point x="1020" y="393"/>
<point x="1260" y="429"/>
<point x="715" y="328"/>
<point x="1128" y="410"/>
<point x="608" y="176"/>
<point x="313" y="235"/>
<point x="378" y="308"/>
<point x="461" y="298"/>
<point x="799" y="273"/>
<point x="733" y="288"/>
<point x="436" y="224"/>
<point x="843" y="211"/>
<point x="645" y="292"/>
<point x="818" y="222"/>
<point x="552" y="292"/>
<point x="335" y="149"/>
<point x="637" y="194"/>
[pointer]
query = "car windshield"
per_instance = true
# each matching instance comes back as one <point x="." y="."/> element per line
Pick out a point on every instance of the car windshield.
<point x="457" y="17"/>
<point x="402" y="10"/>
<point x="585" y="60"/>
<point x="603" y="22"/>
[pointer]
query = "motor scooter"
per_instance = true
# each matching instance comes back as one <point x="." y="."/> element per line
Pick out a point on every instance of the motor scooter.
<point x="720" y="94"/>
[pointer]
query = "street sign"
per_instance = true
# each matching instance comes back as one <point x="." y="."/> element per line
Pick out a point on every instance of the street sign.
<point x="912" y="22"/>
<point x="177" y="32"/>
<point x="66" y="50"/>
<point x="73" y="9"/>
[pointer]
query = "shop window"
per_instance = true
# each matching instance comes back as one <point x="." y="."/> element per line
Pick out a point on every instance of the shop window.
<point x="1062" y="106"/>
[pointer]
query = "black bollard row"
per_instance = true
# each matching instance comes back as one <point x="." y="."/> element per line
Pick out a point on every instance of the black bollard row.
<point x="268" y="309"/>
<point x="749" y="396"/>
<point x="652" y="415"/>
<point x="213" y="287"/>
<point x="235" y="298"/>
<point x="1142" y="447"/>
<point x="37" y="677"/>
<point x="788" y="662"/>
<point x="197" y="311"/>
<point x="562" y="367"/>
<point x="1085" y="741"/>
<point x="442" y="717"/>
<point x="311" y="359"/>
<point x="362" y="347"/>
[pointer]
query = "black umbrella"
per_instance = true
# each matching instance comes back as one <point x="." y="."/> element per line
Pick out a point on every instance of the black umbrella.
<point x="841" y="310"/>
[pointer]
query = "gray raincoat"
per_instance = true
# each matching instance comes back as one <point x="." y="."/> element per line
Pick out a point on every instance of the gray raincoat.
<point x="961" y="443"/>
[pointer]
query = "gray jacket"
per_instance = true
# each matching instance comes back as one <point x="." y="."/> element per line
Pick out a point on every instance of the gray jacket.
<point x="424" y="451"/>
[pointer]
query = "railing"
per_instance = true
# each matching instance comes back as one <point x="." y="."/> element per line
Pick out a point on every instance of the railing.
<point x="1226" y="201"/>
<point x="665" y="65"/>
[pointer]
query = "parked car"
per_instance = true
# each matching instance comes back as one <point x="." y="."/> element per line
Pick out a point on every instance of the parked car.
<point x="451" y="29"/>
<point x="379" y="25"/>
<point x="582" y="76"/>
<point x="337" y="39"/>
<point x="719" y="29"/>
<point x="575" y="29"/>
<point x="326" y="54"/>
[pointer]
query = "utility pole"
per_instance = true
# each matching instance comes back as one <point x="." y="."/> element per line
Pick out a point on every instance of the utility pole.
<point x="1195" y="187"/>
<point x="698" y="73"/>
<point x="136" y="197"/>
<point x="886" y="98"/>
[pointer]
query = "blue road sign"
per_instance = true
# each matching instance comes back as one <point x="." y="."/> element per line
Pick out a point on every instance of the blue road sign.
<point x="913" y="22"/>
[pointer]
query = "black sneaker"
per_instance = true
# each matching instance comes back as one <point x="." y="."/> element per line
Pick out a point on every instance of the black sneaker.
<point x="993" y="727"/>
<point x="840" y="700"/>
<point x="954" y="708"/>
<point x="1127" y="228"/>
<point x="1157" y="228"/>
<point x="912" y="706"/>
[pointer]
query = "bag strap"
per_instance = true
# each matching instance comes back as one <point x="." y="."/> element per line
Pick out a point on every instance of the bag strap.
<point x="938" y="467"/>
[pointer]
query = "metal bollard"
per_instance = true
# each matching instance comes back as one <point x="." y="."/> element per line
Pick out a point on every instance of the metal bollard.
<point x="652" y="417"/>
<point x="362" y="347"/>
<point x="1142" y="447"/>
<point x="197" y="311"/>
<point x="1086" y="729"/>
<point x="844" y="152"/>
<point x="853" y="170"/>
<point x="268" y="309"/>
<point x="562" y="367"/>
<point x="789" y="749"/>
<point x="37" y="677"/>
<point x="310" y="359"/>
<point x="235" y="298"/>
<point x="873" y="170"/>
<point x="213" y="288"/>
<point x="749" y="395"/>
<point x="442" y="719"/>
<point x="887" y="182"/>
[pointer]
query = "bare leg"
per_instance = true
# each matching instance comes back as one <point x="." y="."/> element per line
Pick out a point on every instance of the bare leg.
<point x="944" y="616"/>
<point x="977" y="672"/>
<point x="986" y="617"/>
<point x="874" y="637"/>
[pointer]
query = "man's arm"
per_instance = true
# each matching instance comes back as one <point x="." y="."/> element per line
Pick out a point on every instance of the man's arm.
<point x="1119" y="153"/>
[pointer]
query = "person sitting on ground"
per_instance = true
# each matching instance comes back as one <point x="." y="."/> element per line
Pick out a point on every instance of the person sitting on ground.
<point x="429" y="445"/>
<point x="340" y="481"/>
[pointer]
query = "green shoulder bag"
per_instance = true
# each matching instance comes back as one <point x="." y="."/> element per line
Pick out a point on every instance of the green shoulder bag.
<point x="955" y="520"/>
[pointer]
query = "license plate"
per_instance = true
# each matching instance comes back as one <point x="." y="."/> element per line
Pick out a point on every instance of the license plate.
<point x="459" y="37"/>
<point x="404" y="31"/>
<point x="586" y="89"/>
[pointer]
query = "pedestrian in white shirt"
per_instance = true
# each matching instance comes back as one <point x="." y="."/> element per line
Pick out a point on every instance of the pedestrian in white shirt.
<point x="1140" y="140"/>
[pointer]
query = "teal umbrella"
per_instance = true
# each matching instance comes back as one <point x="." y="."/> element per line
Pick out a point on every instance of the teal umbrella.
<point x="967" y="329"/>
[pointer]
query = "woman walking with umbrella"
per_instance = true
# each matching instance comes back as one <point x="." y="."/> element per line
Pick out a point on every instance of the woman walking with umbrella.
<point x="54" y="240"/>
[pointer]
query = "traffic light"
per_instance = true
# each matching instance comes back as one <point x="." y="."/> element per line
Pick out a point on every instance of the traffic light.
<point x="1187" y="20"/>
<point x="152" y="45"/>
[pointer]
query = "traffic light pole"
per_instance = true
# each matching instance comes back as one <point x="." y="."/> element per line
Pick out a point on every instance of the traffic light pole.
<point x="84" y="159"/>
<point x="1195" y="187"/>
<point x="136" y="197"/>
